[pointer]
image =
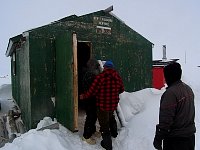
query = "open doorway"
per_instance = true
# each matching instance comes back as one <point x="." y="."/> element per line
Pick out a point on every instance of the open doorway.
<point x="83" y="55"/>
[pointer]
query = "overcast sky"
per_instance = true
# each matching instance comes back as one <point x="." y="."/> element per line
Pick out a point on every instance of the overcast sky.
<point x="174" y="23"/>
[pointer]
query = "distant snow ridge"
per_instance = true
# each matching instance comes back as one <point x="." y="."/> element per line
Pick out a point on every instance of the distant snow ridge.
<point x="5" y="91"/>
<point x="5" y="80"/>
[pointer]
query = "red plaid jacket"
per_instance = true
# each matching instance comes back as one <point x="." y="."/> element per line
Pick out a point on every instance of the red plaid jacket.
<point x="106" y="87"/>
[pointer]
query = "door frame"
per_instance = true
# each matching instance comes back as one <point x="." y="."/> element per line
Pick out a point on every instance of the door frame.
<point x="75" y="80"/>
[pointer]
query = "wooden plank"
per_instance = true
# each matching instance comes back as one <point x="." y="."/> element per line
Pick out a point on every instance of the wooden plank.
<point x="75" y="81"/>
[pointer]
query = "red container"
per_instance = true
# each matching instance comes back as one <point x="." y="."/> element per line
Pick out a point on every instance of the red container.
<point x="158" y="77"/>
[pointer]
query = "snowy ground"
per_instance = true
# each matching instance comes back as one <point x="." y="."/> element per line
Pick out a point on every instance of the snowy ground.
<point x="139" y="113"/>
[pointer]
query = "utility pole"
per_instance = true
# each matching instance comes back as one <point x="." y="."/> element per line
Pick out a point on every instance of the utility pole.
<point x="164" y="53"/>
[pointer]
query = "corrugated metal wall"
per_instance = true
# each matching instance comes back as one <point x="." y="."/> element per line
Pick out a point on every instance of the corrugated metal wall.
<point x="42" y="77"/>
<point x="21" y="80"/>
<point x="64" y="80"/>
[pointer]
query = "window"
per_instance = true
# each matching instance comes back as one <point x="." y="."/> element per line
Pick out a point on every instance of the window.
<point x="14" y="64"/>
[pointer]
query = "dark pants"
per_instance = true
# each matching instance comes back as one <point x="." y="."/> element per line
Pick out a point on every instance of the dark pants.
<point x="91" y="118"/>
<point x="179" y="143"/>
<point x="108" y="127"/>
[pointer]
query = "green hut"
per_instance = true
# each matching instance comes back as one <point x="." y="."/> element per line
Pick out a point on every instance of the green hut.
<point x="46" y="63"/>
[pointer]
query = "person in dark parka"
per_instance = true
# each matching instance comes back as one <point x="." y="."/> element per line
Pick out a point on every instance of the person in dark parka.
<point x="176" y="128"/>
<point x="93" y="69"/>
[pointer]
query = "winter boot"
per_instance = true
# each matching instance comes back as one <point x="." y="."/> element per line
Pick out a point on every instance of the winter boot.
<point x="105" y="147"/>
<point x="107" y="141"/>
<point x="90" y="140"/>
<point x="97" y="134"/>
<point x="114" y="134"/>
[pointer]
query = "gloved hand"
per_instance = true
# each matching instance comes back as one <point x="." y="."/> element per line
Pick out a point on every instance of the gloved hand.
<point x="157" y="143"/>
<point x="160" y="134"/>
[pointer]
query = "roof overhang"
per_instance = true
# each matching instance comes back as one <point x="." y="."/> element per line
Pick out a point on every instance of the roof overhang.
<point x="163" y="62"/>
<point x="9" y="48"/>
<point x="13" y="43"/>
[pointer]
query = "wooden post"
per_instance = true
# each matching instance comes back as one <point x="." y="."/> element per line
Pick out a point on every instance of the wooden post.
<point x="75" y="82"/>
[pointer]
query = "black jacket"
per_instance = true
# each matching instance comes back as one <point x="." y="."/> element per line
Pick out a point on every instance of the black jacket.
<point x="177" y="111"/>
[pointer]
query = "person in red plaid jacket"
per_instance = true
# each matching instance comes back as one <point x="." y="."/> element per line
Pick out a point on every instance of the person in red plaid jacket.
<point x="106" y="87"/>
